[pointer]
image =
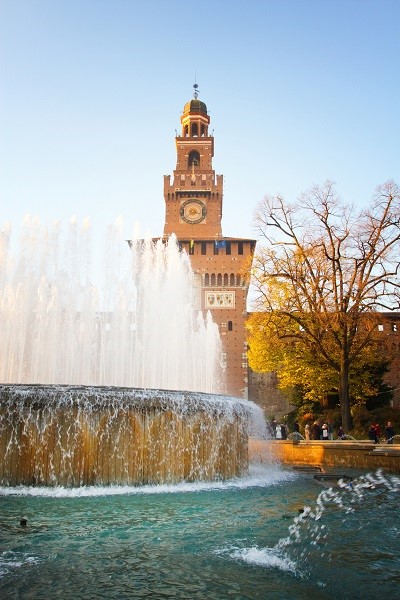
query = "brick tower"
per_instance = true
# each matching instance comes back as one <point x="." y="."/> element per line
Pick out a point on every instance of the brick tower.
<point x="193" y="212"/>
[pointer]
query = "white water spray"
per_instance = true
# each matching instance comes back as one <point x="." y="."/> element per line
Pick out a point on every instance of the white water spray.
<point x="138" y="328"/>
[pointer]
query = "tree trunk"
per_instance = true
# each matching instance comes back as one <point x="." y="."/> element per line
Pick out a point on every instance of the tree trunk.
<point x="344" y="396"/>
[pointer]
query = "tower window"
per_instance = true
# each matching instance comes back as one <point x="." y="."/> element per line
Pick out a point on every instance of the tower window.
<point x="219" y="279"/>
<point x="230" y="326"/>
<point x="228" y="247"/>
<point x="195" y="130"/>
<point x="194" y="158"/>
<point x="216" y="248"/>
<point x="240" y="247"/>
<point x="204" y="248"/>
<point x="191" y="248"/>
<point x="213" y="279"/>
<point x="226" y="279"/>
<point x="207" y="280"/>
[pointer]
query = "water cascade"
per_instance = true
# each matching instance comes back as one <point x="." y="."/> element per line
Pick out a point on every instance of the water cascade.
<point x="88" y="372"/>
<point x="70" y="435"/>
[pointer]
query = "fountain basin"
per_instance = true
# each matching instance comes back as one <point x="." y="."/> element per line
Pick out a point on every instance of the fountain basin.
<point x="77" y="435"/>
<point x="339" y="453"/>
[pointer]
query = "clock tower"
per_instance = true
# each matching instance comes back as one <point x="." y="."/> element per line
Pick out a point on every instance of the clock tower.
<point x="193" y="212"/>
<point x="194" y="201"/>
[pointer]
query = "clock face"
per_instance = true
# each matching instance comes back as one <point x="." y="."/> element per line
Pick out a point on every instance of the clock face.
<point x="193" y="211"/>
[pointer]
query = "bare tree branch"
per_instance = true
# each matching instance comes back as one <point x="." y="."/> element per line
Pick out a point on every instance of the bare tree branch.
<point x="326" y="267"/>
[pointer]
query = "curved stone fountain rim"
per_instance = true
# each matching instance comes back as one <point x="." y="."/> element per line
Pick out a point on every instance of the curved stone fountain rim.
<point x="90" y="397"/>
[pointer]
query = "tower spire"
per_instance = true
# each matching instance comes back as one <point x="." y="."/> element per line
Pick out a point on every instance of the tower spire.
<point x="195" y="93"/>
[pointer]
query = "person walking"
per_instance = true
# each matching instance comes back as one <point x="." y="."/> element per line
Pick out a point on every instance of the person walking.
<point x="340" y="433"/>
<point x="372" y="435"/>
<point x="316" y="431"/>
<point x="389" y="433"/>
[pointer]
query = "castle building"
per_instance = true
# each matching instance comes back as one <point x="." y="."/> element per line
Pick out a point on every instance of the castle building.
<point x="193" y="212"/>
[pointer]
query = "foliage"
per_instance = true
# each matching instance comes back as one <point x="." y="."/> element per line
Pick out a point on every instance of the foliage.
<point x="363" y="418"/>
<point x="322" y="278"/>
<point x="306" y="378"/>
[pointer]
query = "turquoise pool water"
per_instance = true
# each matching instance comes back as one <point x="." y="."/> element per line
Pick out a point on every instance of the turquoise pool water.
<point x="242" y="539"/>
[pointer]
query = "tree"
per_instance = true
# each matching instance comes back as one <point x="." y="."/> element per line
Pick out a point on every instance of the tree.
<point x="325" y="273"/>
<point x="304" y="374"/>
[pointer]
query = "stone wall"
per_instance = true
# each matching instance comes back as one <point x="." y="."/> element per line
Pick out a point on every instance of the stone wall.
<point x="356" y="455"/>
<point x="263" y="390"/>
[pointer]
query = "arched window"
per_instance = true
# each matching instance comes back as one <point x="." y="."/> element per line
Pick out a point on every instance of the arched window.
<point x="194" y="158"/>
<point x="219" y="280"/>
<point x="232" y="280"/>
<point x="226" y="279"/>
<point x="238" y="280"/>
<point x="207" y="279"/>
<point x="195" y="130"/>
<point x="186" y="131"/>
<point x="213" y="280"/>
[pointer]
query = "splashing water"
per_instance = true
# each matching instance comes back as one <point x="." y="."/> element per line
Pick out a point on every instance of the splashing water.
<point x="350" y="493"/>
<point x="345" y="532"/>
<point x="138" y="328"/>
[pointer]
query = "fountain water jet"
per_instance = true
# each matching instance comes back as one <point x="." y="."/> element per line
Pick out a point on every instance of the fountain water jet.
<point x="106" y="352"/>
<point x="137" y="328"/>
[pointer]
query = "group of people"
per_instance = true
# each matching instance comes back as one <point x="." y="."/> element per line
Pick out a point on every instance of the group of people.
<point x="324" y="431"/>
<point x="279" y="430"/>
<point x="374" y="433"/>
<point x="316" y="431"/>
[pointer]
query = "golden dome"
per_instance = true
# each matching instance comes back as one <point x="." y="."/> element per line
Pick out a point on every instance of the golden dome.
<point x="195" y="106"/>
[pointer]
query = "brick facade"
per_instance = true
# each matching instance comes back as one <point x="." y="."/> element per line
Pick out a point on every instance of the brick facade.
<point x="193" y="212"/>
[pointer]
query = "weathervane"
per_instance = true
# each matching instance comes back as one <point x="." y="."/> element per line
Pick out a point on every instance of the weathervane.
<point x="196" y="93"/>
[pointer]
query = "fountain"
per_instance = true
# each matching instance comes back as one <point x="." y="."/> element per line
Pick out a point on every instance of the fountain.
<point x="200" y="532"/>
<point x="89" y="374"/>
<point x="73" y="436"/>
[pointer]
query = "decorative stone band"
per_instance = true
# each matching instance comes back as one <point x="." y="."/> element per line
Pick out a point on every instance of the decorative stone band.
<point x="220" y="299"/>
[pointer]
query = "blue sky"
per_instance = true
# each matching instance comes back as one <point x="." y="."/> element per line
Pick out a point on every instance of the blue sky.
<point x="91" y="92"/>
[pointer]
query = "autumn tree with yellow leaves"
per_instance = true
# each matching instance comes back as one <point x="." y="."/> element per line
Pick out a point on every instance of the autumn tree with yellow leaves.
<point x="321" y="278"/>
